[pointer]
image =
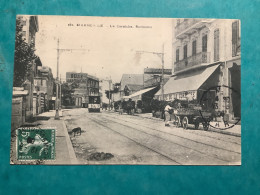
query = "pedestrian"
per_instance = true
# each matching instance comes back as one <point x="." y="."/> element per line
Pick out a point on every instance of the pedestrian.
<point x="120" y="108"/>
<point x="167" y="112"/>
<point x="132" y="107"/>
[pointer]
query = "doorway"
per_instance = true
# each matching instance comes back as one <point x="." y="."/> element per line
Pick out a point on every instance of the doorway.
<point x="235" y="90"/>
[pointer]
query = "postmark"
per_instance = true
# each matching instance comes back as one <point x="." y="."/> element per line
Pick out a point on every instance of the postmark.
<point x="216" y="109"/>
<point x="35" y="144"/>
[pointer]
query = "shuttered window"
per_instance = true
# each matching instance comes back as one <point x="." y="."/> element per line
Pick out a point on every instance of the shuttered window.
<point x="185" y="52"/>
<point x="194" y="47"/>
<point x="204" y="43"/>
<point x="177" y="55"/>
<point x="235" y="38"/>
<point x="216" y="45"/>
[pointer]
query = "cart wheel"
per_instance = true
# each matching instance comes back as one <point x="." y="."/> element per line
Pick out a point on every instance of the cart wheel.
<point x="206" y="126"/>
<point x="178" y="122"/>
<point x="185" y="122"/>
<point x="196" y="125"/>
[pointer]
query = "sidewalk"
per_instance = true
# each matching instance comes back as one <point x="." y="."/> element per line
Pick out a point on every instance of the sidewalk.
<point x="235" y="130"/>
<point x="64" y="151"/>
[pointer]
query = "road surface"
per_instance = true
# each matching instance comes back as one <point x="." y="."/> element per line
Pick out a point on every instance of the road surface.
<point x="135" y="140"/>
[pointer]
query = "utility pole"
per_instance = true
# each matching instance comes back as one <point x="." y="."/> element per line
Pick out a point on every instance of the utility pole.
<point x="109" y="92"/>
<point x="57" y="117"/>
<point x="162" y="58"/>
<point x="162" y="73"/>
<point x="60" y="92"/>
<point x="109" y="95"/>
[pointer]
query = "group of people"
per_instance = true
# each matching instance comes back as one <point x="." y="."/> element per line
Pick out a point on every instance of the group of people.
<point x="128" y="106"/>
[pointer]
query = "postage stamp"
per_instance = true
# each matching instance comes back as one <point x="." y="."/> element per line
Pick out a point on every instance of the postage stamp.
<point x="35" y="144"/>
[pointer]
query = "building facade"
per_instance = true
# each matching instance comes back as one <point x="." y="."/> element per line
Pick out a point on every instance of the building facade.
<point x="87" y="85"/>
<point x="105" y="85"/>
<point x="206" y="53"/>
<point x="43" y="83"/>
<point x="30" y="27"/>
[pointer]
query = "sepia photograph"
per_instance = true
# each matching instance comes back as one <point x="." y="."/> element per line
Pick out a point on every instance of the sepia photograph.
<point x="93" y="90"/>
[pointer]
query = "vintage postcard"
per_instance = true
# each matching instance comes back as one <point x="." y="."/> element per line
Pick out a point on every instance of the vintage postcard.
<point x="128" y="91"/>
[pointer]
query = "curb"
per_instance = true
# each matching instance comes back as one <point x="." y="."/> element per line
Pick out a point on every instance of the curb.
<point x="72" y="155"/>
<point x="225" y="132"/>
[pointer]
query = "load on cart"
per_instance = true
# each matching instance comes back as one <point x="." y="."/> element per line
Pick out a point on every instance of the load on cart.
<point x="192" y="112"/>
<point x="186" y="113"/>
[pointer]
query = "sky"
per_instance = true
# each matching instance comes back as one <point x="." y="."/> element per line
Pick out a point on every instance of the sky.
<point x="104" y="46"/>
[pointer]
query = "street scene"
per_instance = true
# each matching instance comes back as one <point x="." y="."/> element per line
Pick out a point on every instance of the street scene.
<point x="128" y="91"/>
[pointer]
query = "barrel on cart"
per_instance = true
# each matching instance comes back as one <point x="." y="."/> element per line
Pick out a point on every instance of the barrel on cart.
<point x="186" y="116"/>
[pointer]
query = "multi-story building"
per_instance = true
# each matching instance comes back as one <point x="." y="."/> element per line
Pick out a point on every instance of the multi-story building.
<point x="43" y="83"/>
<point x="153" y="76"/>
<point x="105" y="85"/>
<point x="206" y="53"/>
<point x="87" y="86"/>
<point x="29" y="29"/>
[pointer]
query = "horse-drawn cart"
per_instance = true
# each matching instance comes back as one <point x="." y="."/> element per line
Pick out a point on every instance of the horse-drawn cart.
<point x="194" y="116"/>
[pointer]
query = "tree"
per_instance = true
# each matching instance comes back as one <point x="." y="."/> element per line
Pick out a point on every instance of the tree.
<point x="24" y="56"/>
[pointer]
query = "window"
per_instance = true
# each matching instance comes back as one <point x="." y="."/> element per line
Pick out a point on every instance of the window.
<point x="194" y="44"/>
<point x="216" y="45"/>
<point x="205" y="43"/>
<point x="185" y="52"/>
<point x="235" y="38"/>
<point x="177" y="55"/>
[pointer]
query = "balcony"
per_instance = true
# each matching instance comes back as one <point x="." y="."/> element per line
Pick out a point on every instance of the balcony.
<point x="189" y="25"/>
<point x="198" y="59"/>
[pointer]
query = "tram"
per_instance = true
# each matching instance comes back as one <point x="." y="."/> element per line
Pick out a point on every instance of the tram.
<point x="94" y="104"/>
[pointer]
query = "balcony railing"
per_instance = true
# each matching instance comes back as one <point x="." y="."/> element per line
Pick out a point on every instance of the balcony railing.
<point x="199" y="58"/>
<point x="185" y="24"/>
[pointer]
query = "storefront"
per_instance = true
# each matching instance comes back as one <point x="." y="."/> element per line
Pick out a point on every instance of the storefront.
<point x="196" y="85"/>
<point x="233" y="93"/>
<point x="143" y="98"/>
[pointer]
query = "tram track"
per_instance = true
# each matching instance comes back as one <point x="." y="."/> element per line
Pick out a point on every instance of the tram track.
<point x="213" y="133"/>
<point x="138" y="143"/>
<point x="101" y="120"/>
<point x="172" y="134"/>
<point x="189" y="132"/>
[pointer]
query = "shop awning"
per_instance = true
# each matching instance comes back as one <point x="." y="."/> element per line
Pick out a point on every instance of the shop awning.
<point x="188" y="82"/>
<point x="141" y="92"/>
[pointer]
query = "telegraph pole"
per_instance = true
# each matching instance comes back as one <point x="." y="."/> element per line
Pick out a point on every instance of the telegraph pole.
<point x="60" y="92"/>
<point x="162" y="73"/>
<point x="162" y="58"/>
<point x="109" y="92"/>
<point x="57" y="117"/>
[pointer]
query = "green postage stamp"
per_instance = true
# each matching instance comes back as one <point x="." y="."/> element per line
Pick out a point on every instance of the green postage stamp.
<point x="35" y="144"/>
